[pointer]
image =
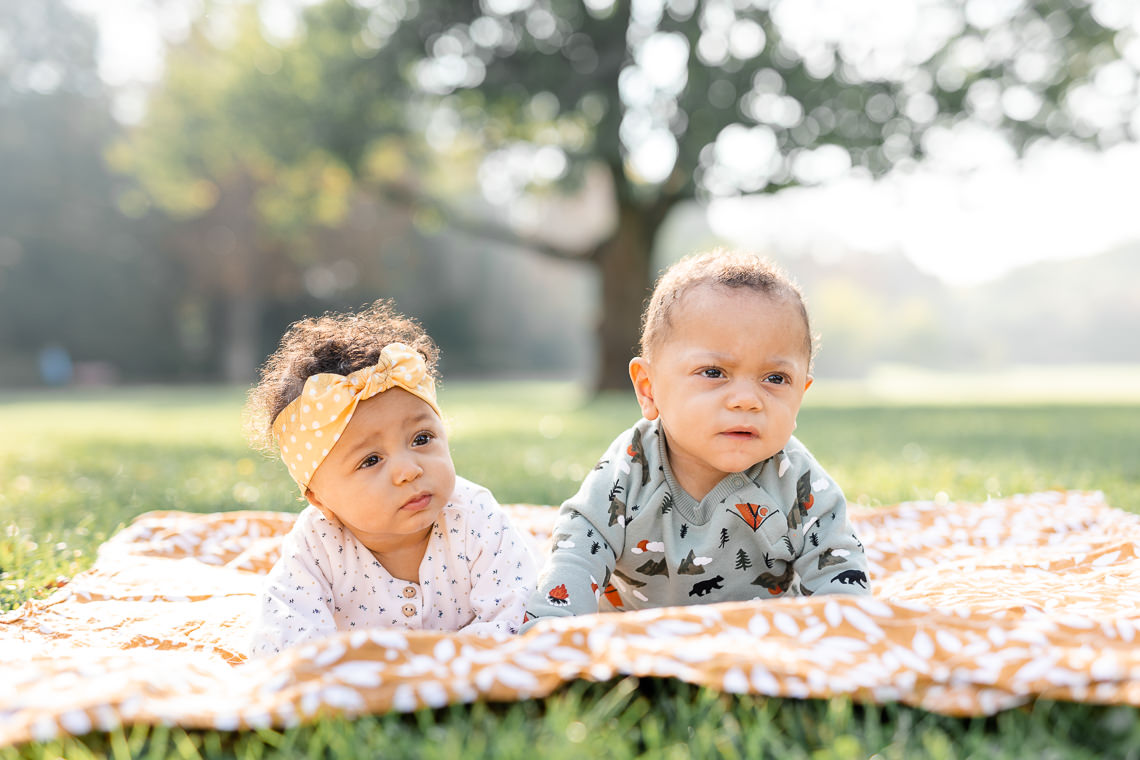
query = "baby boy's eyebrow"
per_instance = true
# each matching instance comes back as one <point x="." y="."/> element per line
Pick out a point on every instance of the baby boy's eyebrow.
<point x="710" y="357"/>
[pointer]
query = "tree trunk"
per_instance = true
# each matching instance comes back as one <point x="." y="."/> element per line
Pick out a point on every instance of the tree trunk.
<point x="623" y="262"/>
<point x="241" y="331"/>
<point x="236" y="243"/>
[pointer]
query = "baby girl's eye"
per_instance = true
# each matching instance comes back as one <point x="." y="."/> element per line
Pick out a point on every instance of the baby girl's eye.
<point x="712" y="372"/>
<point x="422" y="439"/>
<point x="776" y="379"/>
<point x="369" y="461"/>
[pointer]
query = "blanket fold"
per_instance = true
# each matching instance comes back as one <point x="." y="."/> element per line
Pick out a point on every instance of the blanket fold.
<point x="977" y="607"/>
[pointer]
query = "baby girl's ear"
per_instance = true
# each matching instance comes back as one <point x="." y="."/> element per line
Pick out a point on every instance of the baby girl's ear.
<point x="643" y="387"/>
<point x="313" y="499"/>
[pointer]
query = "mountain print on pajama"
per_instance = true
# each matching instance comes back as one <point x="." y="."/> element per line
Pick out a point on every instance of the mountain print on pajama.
<point x="631" y="538"/>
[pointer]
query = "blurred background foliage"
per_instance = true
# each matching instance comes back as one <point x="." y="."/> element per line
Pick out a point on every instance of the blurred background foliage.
<point x="508" y="170"/>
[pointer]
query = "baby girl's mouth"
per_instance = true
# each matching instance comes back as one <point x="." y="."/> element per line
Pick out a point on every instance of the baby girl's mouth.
<point x="418" y="502"/>
<point x="743" y="433"/>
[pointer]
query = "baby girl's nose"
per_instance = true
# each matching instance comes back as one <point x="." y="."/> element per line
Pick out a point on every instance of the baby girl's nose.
<point x="406" y="469"/>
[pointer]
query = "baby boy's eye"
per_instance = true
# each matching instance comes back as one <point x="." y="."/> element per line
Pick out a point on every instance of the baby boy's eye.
<point x="422" y="439"/>
<point x="776" y="379"/>
<point x="712" y="372"/>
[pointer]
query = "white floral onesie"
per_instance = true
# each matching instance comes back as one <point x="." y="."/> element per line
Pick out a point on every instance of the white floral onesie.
<point x="476" y="575"/>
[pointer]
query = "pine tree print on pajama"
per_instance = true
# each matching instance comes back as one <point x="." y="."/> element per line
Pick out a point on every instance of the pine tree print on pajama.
<point x="632" y="539"/>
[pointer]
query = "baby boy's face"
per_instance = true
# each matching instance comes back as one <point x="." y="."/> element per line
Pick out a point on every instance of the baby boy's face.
<point x="390" y="473"/>
<point x="727" y="380"/>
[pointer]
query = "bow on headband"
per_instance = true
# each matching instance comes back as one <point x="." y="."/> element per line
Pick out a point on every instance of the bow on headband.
<point x="312" y="423"/>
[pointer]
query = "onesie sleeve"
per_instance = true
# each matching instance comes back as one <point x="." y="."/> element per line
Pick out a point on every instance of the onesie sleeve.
<point x="296" y="601"/>
<point x="588" y="537"/>
<point x="502" y="568"/>
<point x="832" y="561"/>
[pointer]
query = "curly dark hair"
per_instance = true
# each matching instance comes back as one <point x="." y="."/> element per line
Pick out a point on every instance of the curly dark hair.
<point x="728" y="268"/>
<point x="334" y="342"/>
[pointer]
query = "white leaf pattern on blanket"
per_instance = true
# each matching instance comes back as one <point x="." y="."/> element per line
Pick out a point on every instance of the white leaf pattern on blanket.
<point x="977" y="608"/>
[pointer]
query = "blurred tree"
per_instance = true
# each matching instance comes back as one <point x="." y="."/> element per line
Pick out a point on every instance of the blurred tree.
<point x="673" y="100"/>
<point x="72" y="270"/>
<point x="638" y="105"/>
<point x="245" y="151"/>
<point x="246" y="226"/>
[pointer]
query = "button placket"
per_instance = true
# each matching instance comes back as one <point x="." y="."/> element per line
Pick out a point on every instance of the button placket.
<point x="409" y="609"/>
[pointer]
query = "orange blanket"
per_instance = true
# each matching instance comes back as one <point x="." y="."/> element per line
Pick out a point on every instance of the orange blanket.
<point x="976" y="608"/>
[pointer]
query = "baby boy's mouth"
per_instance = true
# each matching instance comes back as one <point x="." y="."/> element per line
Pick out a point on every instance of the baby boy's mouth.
<point x="743" y="433"/>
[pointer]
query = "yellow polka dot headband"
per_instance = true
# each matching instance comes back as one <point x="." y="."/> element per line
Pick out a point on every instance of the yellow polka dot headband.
<point x="312" y="423"/>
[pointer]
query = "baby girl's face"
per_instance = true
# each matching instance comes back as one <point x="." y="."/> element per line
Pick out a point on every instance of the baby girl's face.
<point x="390" y="473"/>
<point x="727" y="382"/>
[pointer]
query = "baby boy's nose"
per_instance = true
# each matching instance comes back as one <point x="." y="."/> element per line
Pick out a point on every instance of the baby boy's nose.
<point x="744" y="395"/>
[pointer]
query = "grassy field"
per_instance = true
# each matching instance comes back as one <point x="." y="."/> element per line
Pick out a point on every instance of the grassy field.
<point x="75" y="467"/>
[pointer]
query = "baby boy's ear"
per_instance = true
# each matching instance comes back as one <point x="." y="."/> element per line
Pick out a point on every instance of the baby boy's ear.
<point x="643" y="387"/>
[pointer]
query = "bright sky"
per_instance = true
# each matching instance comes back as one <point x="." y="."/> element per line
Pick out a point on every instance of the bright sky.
<point x="964" y="226"/>
<point x="130" y="37"/>
<point x="974" y="214"/>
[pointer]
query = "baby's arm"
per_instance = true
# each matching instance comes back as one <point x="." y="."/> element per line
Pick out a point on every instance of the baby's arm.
<point x="296" y="602"/>
<point x="833" y="561"/>
<point x="502" y="570"/>
<point x="588" y="537"/>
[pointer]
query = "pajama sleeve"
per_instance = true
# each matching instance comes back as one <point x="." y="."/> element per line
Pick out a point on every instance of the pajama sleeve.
<point x="589" y="536"/>
<point x="832" y="561"/>
<point x="296" y="602"/>
<point x="501" y="566"/>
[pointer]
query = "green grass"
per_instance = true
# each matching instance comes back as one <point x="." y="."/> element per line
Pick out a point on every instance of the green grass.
<point x="635" y="718"/>
<point x="75" y="467"/>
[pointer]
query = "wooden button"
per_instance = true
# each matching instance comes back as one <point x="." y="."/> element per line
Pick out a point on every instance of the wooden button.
<point x="409" y="610"/>
<point x="409" y="592"/>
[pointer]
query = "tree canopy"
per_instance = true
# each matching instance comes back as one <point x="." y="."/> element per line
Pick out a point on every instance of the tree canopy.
<point x="487" y="116"/>
<point x="676" y="100"/>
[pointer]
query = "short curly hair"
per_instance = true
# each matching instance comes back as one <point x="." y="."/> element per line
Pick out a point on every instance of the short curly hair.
<point x="727" y="268"/>
<point x="340" y="343"/>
